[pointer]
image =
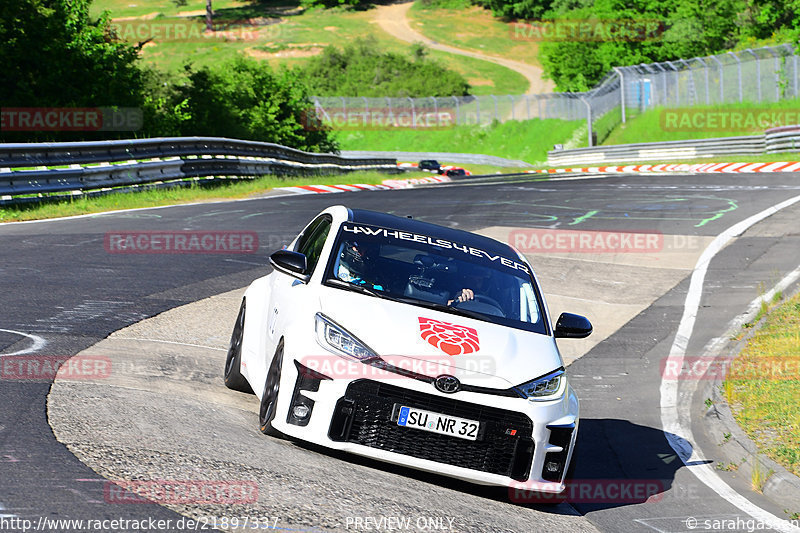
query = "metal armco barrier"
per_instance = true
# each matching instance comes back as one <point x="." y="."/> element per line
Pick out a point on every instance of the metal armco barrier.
<point x="783" y="139"/>
<point x="450" y="157"/>
<point x="98" y="164"/>
<point x="661" y="151"/>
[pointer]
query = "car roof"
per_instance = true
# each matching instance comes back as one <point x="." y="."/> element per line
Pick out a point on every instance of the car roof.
<point x="375" y="218"/>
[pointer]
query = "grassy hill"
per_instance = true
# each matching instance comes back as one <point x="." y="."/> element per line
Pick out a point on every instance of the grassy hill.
<point x="278" y="33"/>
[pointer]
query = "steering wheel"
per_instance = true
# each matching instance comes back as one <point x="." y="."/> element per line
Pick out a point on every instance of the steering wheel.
<point x="482" y="298"/>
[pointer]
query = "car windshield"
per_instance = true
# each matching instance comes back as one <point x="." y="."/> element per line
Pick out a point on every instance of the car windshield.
<point x="437" y="273"/>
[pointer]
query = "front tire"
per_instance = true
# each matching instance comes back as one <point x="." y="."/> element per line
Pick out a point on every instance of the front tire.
<point x="233" y="376"/>
<point x="269" y="400"/>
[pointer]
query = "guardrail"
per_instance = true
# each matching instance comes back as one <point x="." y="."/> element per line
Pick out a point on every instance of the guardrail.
<point x="28" y="168"/>
<point x="662" y="151"/>
<point x="450" y="157"/>
<point x="783" y="139"/>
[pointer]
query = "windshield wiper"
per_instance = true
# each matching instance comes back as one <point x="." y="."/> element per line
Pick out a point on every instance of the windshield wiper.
<point x="446" y="308"/>
<point x="360" y="288"/>
<point x="412" y="301"/>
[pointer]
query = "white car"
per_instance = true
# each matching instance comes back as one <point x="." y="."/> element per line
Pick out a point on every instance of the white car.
<point x="410" y="343"/>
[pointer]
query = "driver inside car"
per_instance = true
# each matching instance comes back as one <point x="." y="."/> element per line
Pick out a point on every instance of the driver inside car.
<point x="475" y="281"/>
<point x="352" y="264"/>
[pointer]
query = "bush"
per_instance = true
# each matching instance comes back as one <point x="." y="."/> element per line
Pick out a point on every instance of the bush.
<point x="244" y="99"/>
<point x="360" y="69"/>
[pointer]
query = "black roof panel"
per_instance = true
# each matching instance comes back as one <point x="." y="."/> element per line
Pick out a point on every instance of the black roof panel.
<point x="375" y="218"/>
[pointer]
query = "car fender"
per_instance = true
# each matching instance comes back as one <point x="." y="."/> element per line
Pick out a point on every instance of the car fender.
<point x="254" y="340"/>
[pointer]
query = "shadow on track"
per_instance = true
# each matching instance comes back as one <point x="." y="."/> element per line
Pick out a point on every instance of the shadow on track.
<point x="617" y="463"/>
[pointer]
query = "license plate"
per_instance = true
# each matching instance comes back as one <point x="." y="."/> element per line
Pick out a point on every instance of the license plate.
<point x="437" y="423"/>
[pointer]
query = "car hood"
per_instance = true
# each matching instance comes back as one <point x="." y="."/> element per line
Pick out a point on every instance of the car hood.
<point x="434" y="343"/>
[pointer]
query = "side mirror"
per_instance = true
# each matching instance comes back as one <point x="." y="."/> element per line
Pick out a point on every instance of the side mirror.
<point x="571" y="326"/>
<point x="288" y="262"/>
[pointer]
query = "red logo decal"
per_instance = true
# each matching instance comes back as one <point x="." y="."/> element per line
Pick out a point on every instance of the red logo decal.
<point x="452" y="339"/>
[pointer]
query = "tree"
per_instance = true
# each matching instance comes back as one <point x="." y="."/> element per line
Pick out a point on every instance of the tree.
<point x="244" y="99"/>
<point x="54" y="54"/>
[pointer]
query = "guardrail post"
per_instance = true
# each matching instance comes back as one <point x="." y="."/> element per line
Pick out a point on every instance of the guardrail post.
<point x="705" y="68"/>
<point x="721" y="79"/>
<point x="758" y="73"/>
<point x="739" y="69"/>
<point x="776" y="69"/>
<point x="662" y="75"/>
<point x="795" y="75"/>
<point x="677" y="83"/>
<point x="494" y="98"/>
<point x="618" y="70"/>
<point x="588" y="118"/>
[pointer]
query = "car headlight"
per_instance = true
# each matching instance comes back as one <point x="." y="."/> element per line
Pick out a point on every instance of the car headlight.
<point x="549" y="387"/>
<point x="335" y="338"/>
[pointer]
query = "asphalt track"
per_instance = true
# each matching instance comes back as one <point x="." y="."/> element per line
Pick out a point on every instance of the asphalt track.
<point x="61" y="285"/>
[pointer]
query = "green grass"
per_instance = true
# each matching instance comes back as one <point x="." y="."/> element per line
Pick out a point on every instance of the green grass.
<point x="525" y="140"/>
<point x="177" y="195"/>
<point x="290" y="42"/>
<point x="606" y="124"/>
<point x="764" y="400"/>
<point x="649" y="126"/>
<point x="472" y="28"/>
<point x="483" y="76"/>
<point x="167" y="8"/>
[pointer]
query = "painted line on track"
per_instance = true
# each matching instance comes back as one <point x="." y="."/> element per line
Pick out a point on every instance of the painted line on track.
<point x="169" y="342"/>
<point x="674" y="406"/>
<point x="37" y="344"/>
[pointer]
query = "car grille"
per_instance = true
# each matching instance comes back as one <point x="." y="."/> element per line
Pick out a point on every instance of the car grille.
<point x="364" y="416"/>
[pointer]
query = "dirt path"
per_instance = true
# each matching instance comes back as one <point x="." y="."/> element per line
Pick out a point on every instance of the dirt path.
<point x="393" y="19"/>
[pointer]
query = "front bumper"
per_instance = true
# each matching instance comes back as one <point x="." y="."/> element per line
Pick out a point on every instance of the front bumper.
<point x="521" y="444"/>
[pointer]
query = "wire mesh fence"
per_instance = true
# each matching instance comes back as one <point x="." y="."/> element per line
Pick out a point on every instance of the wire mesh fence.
<point x="760" y="75"/>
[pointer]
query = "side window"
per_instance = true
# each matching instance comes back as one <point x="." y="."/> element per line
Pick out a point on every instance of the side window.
<point x="313" y="239"/>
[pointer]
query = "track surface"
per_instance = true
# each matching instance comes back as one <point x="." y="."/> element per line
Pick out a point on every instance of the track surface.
<point x="63" y="286"/>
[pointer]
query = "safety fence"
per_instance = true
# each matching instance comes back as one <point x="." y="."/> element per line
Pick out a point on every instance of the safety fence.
<point x="45" y="168"/>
